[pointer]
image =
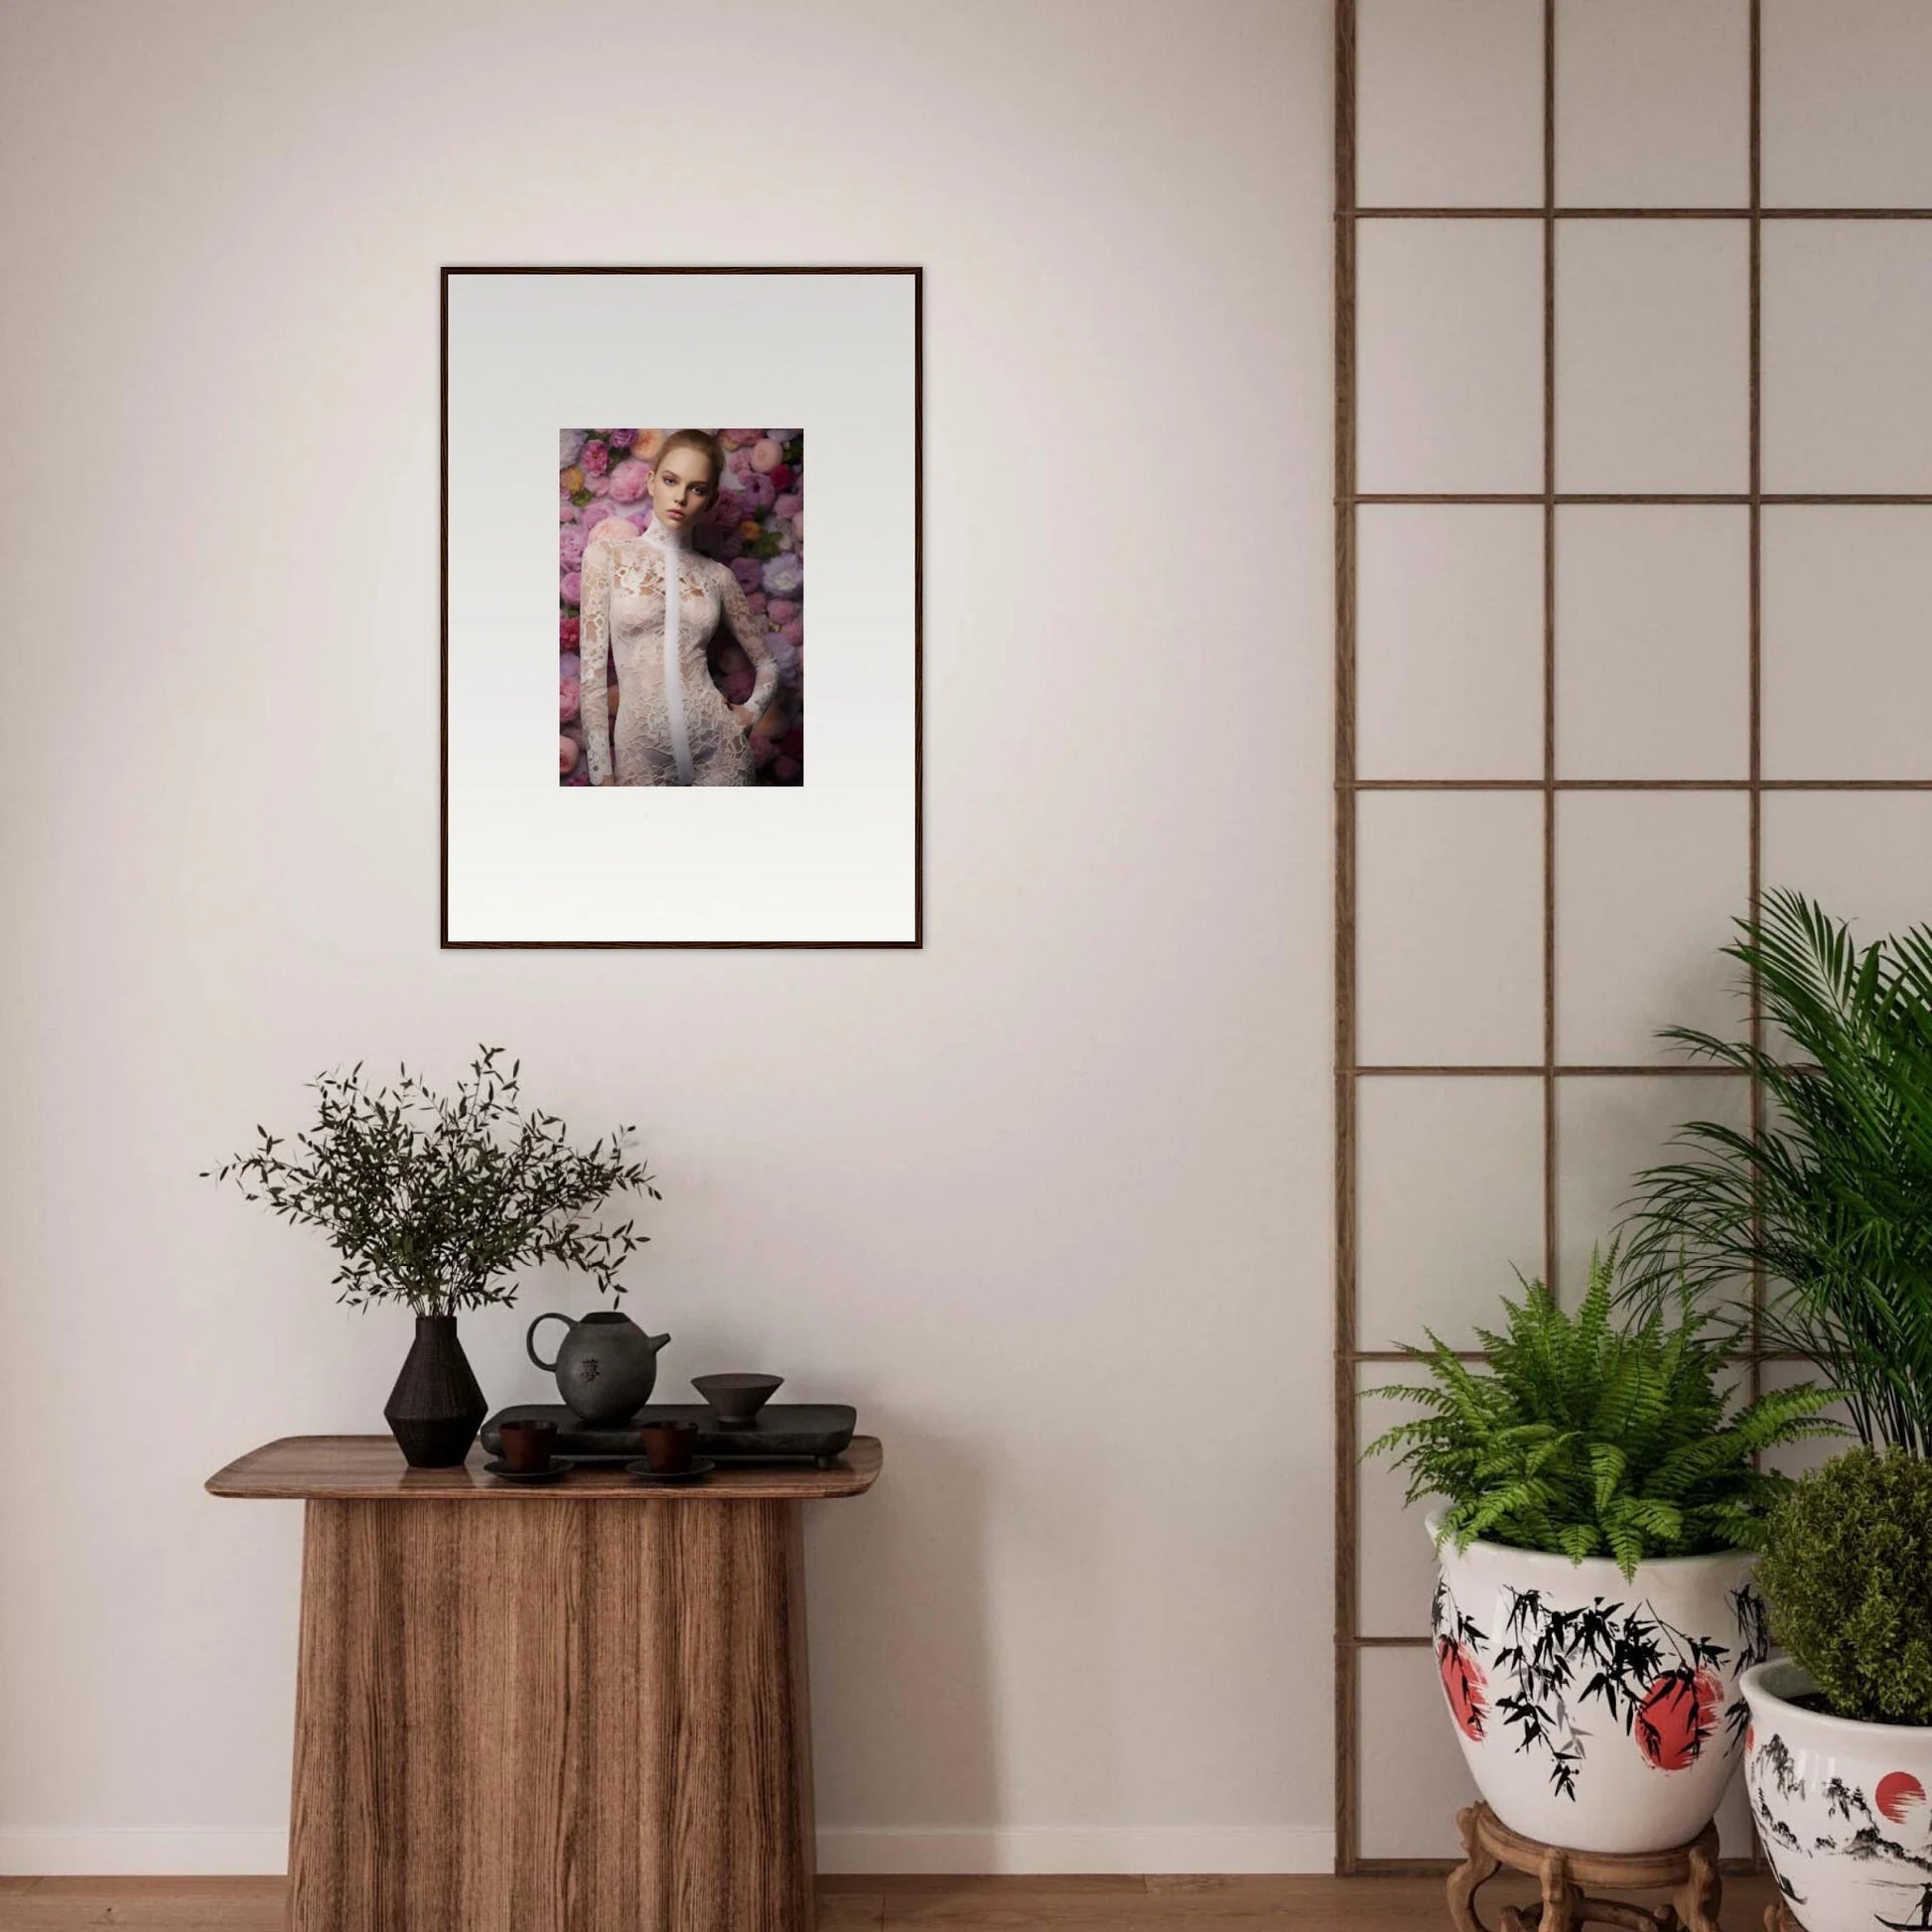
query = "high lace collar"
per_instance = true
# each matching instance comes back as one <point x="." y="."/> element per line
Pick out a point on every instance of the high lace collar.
<point x="660" y="538"/>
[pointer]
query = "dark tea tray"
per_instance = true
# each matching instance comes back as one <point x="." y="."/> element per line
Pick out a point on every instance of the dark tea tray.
<point x="782" y="1431"/>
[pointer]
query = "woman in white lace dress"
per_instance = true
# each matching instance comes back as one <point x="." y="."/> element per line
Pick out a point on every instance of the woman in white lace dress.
<point x="673" y="725"/>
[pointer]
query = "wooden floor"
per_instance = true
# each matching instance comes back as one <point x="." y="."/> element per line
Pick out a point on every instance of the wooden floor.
<point x="961" y="1904"/>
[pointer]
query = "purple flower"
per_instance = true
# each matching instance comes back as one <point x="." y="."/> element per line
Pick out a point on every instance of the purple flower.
<point x="569" y="544"/>
<point x="784" y="576"/>
<point x="786" y="652"/>
<point x="748" y="572"/>
<point x="595" y="458"/>
<point x="621" y="439"/>
<point x="570" y="446"/>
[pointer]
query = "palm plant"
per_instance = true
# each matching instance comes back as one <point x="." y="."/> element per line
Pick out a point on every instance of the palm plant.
<point x="1829" y="1199"/>
<point x="1586" y="1438"/>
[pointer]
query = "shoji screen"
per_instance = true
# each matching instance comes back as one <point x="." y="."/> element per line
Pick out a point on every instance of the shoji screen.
<point x="1634" y="575"/>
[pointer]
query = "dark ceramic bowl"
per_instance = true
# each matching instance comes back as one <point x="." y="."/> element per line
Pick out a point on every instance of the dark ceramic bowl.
<point x="737" y="1399"/>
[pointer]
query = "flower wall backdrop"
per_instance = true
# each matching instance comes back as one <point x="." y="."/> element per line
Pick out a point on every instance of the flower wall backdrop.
<point x="757" y="527"/>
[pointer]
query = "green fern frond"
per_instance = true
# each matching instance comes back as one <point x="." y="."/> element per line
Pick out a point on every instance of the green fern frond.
<point x="1584" y="1433"/>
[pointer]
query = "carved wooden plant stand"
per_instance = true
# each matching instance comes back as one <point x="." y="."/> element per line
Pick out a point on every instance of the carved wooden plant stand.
<point x="1690" y="1870"/>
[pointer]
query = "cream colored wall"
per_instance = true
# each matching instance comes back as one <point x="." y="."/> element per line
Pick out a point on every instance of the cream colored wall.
<point x="1050" y="1200"/>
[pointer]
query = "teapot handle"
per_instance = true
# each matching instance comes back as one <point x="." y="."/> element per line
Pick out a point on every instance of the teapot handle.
<point x="530" y="1340"/>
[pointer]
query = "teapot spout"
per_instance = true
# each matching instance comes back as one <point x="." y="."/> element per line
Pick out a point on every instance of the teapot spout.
<point x="656" y="1342"/>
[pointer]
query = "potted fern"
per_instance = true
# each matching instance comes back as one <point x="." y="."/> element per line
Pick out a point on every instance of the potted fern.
<point x="432" y="1200"/>
<point x="1593" y="1611"/>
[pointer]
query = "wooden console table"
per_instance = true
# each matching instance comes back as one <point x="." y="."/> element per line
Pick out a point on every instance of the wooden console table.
<point x="572" y="1708"/>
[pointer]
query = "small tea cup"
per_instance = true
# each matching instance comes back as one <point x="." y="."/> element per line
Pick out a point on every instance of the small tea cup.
<point x="528" y="1446"/>
<point x="669" y="1447"/>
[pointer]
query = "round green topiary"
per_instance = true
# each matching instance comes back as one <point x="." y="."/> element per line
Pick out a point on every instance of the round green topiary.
<point x="1847" y="1569"/>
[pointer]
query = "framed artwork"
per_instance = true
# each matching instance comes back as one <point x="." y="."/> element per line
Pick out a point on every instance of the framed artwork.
<point x="736" y="735"/>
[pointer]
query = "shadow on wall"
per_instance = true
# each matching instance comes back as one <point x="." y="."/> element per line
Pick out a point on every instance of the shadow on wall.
<point x="901" y="1728"/>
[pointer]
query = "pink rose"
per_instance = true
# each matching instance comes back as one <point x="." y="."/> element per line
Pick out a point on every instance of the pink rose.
<point x="569" y="695"/>
<point x="765" y="455"/>
<point x="569" y="544"/>
<point x="571" y="589"/>
<point x="783" y="476"/>
<point x="628" y="481"/>
<point x="756" y="599"/>
<point x="788" y="506"/>
<point x="566" y="757"/>
<point x="595" y="458"/>
<point x="781" y="610"/>
<point x="793" y="632"/>
<point x="567" y="634"/>
<point x="620" y="527"/>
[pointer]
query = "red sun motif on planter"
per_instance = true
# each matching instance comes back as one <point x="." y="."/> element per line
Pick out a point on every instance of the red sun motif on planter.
<point x="1678" y="1712"/>
<point x="1899" y="1795"/>
<point x="1465" y="1685"/>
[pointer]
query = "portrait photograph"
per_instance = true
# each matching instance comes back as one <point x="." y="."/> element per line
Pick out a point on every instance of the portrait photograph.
<point x="705" y="687"/>
<point x="676" y="582"/>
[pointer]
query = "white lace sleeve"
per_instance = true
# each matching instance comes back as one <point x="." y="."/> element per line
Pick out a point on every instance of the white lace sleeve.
<point x="594" y="651"/>
<point x="750" y="634"/>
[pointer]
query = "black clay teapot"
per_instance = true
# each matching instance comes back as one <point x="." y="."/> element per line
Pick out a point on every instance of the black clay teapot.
<point x="606" y="1368"/>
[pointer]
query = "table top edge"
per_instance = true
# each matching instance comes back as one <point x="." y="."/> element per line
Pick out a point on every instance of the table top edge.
<point x="263" y="1476"/>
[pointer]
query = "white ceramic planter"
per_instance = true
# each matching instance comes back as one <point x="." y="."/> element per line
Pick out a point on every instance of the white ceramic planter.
<point x="1595" y="1713"/>
<point x="1844" y="1809"/>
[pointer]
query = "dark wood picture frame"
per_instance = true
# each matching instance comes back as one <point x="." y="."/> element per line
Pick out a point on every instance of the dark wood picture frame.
<point x="917" y="939"/>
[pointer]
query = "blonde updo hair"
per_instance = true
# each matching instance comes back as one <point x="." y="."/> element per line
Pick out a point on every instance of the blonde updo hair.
<point x="705" y="444"/>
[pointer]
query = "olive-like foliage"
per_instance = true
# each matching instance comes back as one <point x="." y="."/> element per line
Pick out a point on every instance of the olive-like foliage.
<point x="1847" y="1569"/>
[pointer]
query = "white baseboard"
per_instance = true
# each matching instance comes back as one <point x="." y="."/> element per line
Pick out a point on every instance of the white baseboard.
<point x="1080" y="1848"/>
<point x="1015" y="1849"/>
<point x="142" y="1855"/>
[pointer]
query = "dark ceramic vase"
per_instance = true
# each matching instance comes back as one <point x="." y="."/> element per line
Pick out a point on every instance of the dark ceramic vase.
<point x="436" y="1406"/>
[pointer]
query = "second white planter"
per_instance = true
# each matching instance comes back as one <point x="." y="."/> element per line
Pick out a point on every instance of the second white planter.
<point x="1595" y="1713"/>
<point x="1843" y="1808"/>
